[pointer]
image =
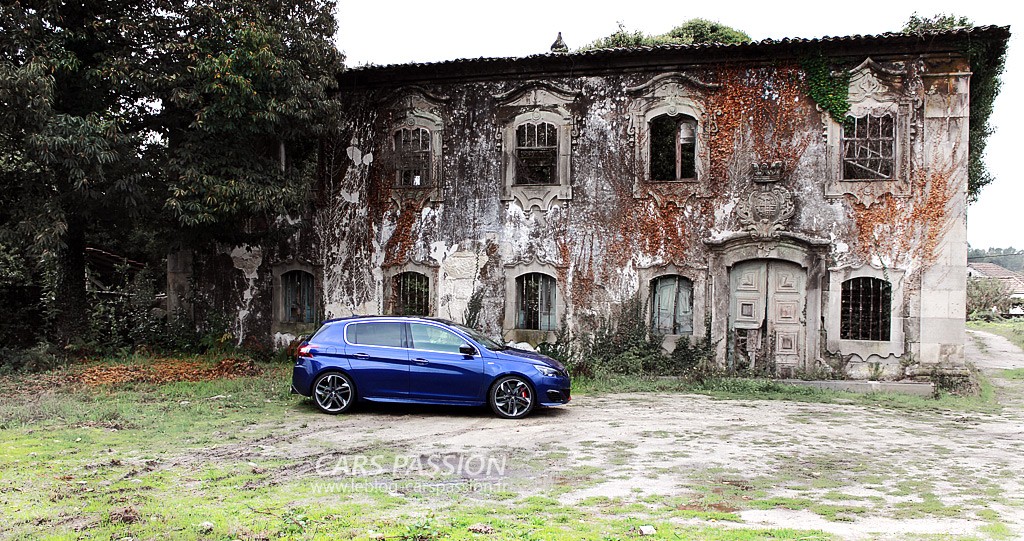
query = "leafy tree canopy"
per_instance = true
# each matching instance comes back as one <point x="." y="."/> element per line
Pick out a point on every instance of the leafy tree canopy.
<point x="693" y="31"/>
<point x="124" y="120"/>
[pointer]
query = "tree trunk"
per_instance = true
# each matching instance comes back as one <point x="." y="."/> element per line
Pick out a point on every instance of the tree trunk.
<point x="71" y="314"/>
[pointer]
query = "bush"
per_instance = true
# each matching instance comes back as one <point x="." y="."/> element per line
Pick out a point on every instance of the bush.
<point x="624" y="344"/>
<point x="38" y="358"/>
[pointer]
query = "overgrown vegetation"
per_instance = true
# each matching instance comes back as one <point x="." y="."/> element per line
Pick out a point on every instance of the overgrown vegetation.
<point x="625" y="344"/>
<point x="987" y="298"/>
<point x="146" y="127"/>
<point x="828" y="87"/>
<point x="988" y="60"/>
<point x="692" y="32"/>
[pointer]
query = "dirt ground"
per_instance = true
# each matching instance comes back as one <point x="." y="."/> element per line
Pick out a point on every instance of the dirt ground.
<point x="854" y="471"/>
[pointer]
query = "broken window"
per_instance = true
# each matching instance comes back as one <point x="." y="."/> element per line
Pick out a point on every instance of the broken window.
<point x="869" y="144"/>
<point x="298" y="297"/>
<point x="866" y="307"/>
<point x="536" y="153"/>
<point x="672" y="305"/>
<point x="673" y="147"/>
<point x="410" y="294"/>
<point x="535" y="301"/>
<point x="412" y="157"/>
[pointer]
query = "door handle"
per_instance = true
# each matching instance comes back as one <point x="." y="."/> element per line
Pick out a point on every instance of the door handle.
<point x="420" y="360"/>
<point x="361" y="356"/>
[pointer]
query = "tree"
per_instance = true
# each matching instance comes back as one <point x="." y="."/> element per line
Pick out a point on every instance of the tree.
<point x="987" y="295"/>
<point x="697" y="31"/>
<point x="120" y="117"/>
<point x="987" y="61"/>
<point x="693" y="31"/>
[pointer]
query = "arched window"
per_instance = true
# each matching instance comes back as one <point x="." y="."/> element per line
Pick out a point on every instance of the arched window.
<point x="536" y="153"/>
<point x="297" y="286"/>
<point x="866" y="309"/>
<point x="412" y="157"/>
<point x="535" y="302"/>
<point x="410" y="294"/>
<point x="673" y="147"/>
<point x="672" y="305"/>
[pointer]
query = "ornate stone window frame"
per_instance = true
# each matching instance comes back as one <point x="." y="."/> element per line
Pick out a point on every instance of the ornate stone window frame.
<point x="671" y="94"/>
<point x="512" y="274"/>
<point x="415" y="107"/>
<point x="865" y="350"/>
<point x="414" y="119"/>
<point x="533" y="103"/>
<point x="698" y="282"/>
<point x="428" y="270"/>
<point x="875" y="90"/>
<point x="279" y="322"/>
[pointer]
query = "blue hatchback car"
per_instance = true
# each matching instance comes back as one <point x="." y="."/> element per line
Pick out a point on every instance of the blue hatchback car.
<point x="426" y="361"/>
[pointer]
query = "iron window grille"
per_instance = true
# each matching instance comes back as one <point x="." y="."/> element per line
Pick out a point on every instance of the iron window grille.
<point x="535" y="300"/>
<point x="412" y="157"/>
<point x="672" y="305"/>
<point x="673" y="147"/>
<point x="298" y="297"/>
<point x="410" y="293"/>
<point x="869" y="144"/>
<point x="866" y="307"/>
<point x="536" y="154"/>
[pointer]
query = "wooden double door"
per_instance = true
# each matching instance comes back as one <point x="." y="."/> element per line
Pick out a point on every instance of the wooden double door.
<point x="766" y="315"/>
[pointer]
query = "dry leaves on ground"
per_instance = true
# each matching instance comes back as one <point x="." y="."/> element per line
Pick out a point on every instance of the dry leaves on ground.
<point x="164" y="371"/>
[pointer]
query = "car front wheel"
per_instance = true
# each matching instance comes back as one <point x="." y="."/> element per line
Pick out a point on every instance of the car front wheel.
<point x="511" y="397"/>
<point x="334" y="392"/>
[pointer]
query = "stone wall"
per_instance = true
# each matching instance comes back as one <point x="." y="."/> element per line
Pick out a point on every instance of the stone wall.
<point x="768" y="187"/>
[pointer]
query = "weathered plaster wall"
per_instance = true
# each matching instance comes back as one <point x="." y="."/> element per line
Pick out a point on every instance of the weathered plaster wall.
<point x="599" y="243"/>
<point x="607" y="235"/>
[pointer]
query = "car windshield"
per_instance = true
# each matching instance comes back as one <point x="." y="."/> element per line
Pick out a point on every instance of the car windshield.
<point x="481" y="338"/>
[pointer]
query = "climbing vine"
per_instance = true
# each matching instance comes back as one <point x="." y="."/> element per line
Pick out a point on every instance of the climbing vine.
<point x="829" y="89"/>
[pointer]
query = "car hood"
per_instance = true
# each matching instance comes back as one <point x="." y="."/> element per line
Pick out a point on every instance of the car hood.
<point x="533" y="357"/>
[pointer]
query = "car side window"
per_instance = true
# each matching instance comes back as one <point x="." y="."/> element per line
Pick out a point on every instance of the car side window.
<point x="329" y="334"/>
<point x="388" y="334"/>
<point x="431" y="338"/>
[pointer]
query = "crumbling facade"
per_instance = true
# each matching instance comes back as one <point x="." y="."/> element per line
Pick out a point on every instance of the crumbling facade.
<point x="543" y="193"/>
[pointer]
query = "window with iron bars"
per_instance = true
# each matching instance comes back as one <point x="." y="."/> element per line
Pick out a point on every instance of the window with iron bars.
<point x="535" y="302"/>
<point x="410" y="294"/>
<point x="869" y="144"/>
<point x="412" y="157"/>
<point x="673" y="148"/>
<point x="297" y="286"/>
<point x="672" y="305"/>
<point x="536" y="153"/>
<point x="866" y="306"/>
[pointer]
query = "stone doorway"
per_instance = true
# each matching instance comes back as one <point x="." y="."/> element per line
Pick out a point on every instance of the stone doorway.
<point x="766" y="315"/>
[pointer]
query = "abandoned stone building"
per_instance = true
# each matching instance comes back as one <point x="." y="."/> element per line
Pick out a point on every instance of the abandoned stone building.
<point x="715" y="184"/>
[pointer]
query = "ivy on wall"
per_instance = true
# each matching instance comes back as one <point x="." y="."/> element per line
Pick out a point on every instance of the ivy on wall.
<point x="987" y="59"/>
<point x="829" y="88"/>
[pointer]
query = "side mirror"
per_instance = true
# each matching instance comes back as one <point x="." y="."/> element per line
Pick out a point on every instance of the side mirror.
<point x="467" y="349"/>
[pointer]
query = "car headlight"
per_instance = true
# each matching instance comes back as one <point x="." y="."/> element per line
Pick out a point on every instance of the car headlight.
<point x="548" y="371"/>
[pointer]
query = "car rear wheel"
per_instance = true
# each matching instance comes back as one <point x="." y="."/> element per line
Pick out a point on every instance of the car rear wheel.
<point x="334" y="392"/>
<point x="511" y="397"/>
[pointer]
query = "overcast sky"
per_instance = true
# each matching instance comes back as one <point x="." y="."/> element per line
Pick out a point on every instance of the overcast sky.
<point x="399" y="31"/>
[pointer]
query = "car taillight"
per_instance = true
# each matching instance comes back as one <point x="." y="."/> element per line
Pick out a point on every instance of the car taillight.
<point x="306" y="351"/>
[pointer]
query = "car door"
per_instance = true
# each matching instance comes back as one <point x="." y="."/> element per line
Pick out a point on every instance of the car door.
<point x="438" y="371"/>
<point x="378" y="358"/>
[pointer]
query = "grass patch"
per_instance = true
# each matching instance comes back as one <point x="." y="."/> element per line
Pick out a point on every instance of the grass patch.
<point x="1016" y="373"/>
